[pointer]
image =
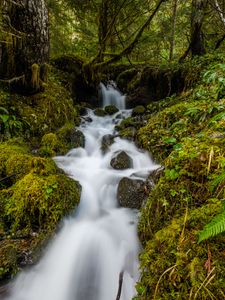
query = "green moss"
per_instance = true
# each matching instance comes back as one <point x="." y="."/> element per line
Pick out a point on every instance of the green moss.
<point x="138" y="110"/>
<point x="111" y="109"/>
<point x="175" y="266"/>
<point x="186" y="135"/>
<point x="15" y="160"/>
<point x="100" y="112"/>
<point x="36" y="115"/>
<point x="50" y="145"/>
<point x="70" y="137"/>
<point x="37" y="202"/>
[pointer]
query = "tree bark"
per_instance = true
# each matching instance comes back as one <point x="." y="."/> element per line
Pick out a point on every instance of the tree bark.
<point x="27" y="52"/>
<point x="172" y="40"/>
<point x="197" y="45"/>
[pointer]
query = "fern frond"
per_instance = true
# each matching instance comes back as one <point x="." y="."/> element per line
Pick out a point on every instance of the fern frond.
<point x="215" y="227"/>
<point x="219" y="179"/>
<point x="218" y="117"/>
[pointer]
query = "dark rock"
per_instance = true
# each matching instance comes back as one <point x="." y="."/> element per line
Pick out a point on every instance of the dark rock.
<point x="99" y="112"/>
<point x="131" y="193"/>
<point x="107" y="141"/>
<point x="111" y="109"/>
<point x="121" y="161"/>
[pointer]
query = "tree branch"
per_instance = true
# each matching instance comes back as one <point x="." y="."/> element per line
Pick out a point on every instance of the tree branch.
<point x="132" y="45"/>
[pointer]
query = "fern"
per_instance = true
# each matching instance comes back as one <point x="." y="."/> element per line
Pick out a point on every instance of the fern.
<point x="217" y="181"/>
<point x="215" y="227"/>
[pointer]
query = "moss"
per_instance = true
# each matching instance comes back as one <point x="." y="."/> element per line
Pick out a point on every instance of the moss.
<point x="175" y="266"/>
<point x="50" y="145"/>
<point x="40" y="202"/>
<point x="41" y="113"/>
<point x="70" y="137"/>
<point x="186" y="135"/>
<point x="138" y="110"/>
<point x="111" y="109"/>
<point x="100" y="112"/>
<point x="15" y="160"/>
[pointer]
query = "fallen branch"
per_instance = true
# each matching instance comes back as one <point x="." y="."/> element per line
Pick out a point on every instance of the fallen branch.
<point x="14" y="79"/>
<point x="120" y="286"/>
<point x="7" y="177"/>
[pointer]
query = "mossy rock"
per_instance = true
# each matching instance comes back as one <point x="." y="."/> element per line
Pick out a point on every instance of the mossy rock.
<point x="15" y="162"/>
<point x="71" y="137"/>
<point x="100" y="112"/>
<point x="138" y="110"/>
<point x="50" y="145"/>
<point x="111" y="109"/>
<point x="128" y="133"/>
<point x="40" y="202"/>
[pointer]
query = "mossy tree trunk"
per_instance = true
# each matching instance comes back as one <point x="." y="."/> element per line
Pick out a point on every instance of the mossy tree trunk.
<point x="25" y="51"/>
<point x="197" y="44"/>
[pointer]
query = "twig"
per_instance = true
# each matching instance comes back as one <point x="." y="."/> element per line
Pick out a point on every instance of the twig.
<point x="14" y="79"/>
<point x="120" y="286"/>
<point x="7" y="177"/>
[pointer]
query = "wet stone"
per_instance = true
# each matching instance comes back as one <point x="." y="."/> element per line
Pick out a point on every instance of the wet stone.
<point x="131" y="193"/>
<point x="107" y="141"/>
<point x="121" y="161"/>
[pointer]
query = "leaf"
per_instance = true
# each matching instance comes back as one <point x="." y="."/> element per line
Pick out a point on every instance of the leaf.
<point x="4" y="118"/>
<point x="215" y="227"/>
<point x="177" y="147"/>
<point x="4" y="110"/>
<point x="171" y="174"/>
<point x="170" y="140"/>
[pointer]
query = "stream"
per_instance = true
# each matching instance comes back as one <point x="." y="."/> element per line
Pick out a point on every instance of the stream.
<point x="97" y="246"/>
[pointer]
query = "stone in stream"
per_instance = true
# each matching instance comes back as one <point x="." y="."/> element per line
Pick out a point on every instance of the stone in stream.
<point x="121" y="161"/>
<point x="107" y="141"/>
<point x="131" y="193"/>
<point x="99" y="112"/>
<point x="111" y="109"/>
<point x="76" y="138"/>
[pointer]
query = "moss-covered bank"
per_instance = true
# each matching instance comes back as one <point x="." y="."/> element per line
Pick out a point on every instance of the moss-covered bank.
<point x="186" y="134"/>
<point x="34" y="194"/>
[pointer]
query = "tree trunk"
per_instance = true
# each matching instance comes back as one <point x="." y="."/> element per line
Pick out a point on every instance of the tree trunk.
<point x="172" y="40"/>
<point x="197" y="45"/>
<point x="25" y="53"/>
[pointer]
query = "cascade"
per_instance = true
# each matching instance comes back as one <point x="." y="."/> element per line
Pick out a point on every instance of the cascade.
<point x="99" y="241"/>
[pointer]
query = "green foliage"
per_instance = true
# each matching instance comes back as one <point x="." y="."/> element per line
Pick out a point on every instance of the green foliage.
<point x="215" y="227"/>
<point x="10" y="125"/>
<point x="186" y="134"/>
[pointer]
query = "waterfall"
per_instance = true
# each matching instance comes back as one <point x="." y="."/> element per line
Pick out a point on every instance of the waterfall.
<point x="99" y="241"/>
<point x="111" y="96"/>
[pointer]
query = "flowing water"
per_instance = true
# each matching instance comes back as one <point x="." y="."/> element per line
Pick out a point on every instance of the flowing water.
<point x="99" y="242"/>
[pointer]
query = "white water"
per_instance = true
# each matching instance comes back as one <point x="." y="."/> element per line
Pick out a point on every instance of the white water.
<point x="100" y="240"/>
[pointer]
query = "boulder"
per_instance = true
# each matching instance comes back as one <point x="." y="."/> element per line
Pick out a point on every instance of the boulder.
<point x="107" y="141"/>
<point x="138" y="110"/>
<point x="121" y="161"/>
<point x="111" y="109"/>
<point x="72" y="136"/>
<point x="99" y="112"/>
<point x="131" y="193"/>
